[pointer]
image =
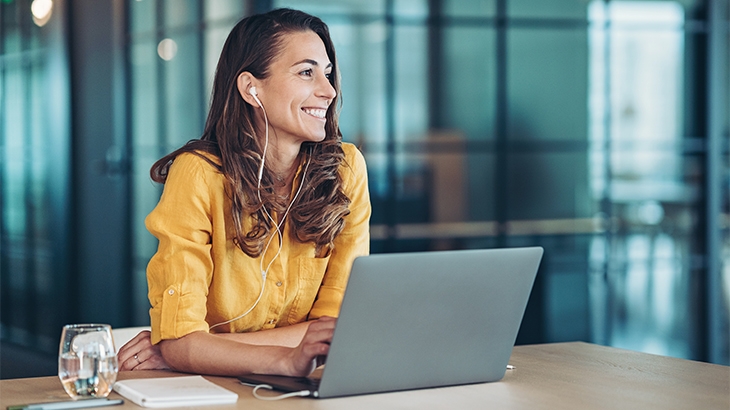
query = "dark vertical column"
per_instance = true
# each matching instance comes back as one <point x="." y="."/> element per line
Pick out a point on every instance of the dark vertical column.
<point x="162" y="138"/>
<point x="4" y="254"/>
<point x="501" y="116"/>
<point x="391" y="202"/>
<point x="58" y="171"/>
<point x="119" y="167"/>
<point x="435" y="64"/>
<point x="102" y="273"/>
<point x="31" y="229"/>
<point x="717" y="94"/>
<point x="139" y="305"/>
<point x="606" y="203"/>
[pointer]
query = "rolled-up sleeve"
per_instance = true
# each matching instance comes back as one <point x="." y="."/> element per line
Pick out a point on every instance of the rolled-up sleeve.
<point x="353" y="241"/>
<point x="179" y="274"/>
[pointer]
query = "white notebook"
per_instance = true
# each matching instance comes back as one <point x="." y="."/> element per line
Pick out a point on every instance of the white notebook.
<point x="174" y="392"/>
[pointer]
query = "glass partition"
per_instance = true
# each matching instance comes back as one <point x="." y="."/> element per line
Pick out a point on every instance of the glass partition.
<point x="499" y="123"/>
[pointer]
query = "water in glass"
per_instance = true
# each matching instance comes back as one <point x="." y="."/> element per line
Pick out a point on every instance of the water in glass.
<point x="87" y="361"/>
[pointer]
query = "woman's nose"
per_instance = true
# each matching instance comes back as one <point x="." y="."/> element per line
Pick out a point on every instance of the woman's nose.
<point x="325" y="89"/>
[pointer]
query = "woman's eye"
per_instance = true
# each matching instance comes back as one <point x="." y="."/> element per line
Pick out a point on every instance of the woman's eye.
<point x="328" y="75"/>
<point x="307" y="72"/>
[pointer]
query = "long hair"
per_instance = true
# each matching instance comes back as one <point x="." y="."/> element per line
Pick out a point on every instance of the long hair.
<point x="230" y="134"/>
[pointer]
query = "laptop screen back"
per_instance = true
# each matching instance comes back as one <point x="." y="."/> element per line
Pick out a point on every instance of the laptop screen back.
<point x="417" y="320"/>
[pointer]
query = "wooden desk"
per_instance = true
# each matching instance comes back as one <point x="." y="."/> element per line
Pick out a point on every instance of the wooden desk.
<point x="561" y="375"/>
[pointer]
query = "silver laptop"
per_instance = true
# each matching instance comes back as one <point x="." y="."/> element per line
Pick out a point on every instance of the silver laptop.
<point x="419" y="320"/>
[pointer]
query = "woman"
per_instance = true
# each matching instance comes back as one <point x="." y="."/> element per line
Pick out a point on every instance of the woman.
<point x="261" y="218"/>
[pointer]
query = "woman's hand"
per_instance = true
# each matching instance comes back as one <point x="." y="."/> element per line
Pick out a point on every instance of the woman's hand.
<point x="312" y="350"/>
<point x="140" y="354"/>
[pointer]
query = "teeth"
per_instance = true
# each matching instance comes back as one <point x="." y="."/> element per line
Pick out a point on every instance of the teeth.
<point x="316" y="112"/>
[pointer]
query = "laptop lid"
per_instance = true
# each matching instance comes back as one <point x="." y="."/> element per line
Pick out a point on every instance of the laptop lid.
<point x="428" y="319"/>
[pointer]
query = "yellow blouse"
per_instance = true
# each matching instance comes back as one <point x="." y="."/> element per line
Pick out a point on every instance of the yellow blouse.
<point x="199" y="277"/>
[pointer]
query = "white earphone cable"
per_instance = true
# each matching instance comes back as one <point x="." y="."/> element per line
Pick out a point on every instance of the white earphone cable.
<point x="300" y="393"/>
<point x="279" y="234"/>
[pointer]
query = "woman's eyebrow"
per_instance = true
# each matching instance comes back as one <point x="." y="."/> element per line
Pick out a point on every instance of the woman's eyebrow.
<point x="310" y="61"/>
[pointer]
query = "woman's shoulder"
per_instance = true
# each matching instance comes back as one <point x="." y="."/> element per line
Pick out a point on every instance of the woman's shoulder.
<point x="350" y="149"/>
<point x="195" y="166"/>
<point x="353" y="156"/>
<point x="353" y="168"/>
<point x="198" y="161"/>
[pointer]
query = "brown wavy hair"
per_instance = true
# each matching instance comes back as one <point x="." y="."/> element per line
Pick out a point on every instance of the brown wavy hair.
<point x="230" y="134"/>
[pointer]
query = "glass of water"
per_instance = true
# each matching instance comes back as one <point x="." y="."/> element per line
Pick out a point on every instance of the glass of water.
<point x="87" y="360"/>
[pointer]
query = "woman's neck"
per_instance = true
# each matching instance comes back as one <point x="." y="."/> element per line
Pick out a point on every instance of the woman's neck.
<point x="285" y="178"/>
<point x="283" y="169"/>
<point x="282" y="160"/>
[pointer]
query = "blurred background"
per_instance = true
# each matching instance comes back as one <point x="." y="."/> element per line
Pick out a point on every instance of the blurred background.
<point x="596" y="129"/>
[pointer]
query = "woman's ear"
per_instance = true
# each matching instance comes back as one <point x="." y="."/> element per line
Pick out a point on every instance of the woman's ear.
<point x="245" y="82"/>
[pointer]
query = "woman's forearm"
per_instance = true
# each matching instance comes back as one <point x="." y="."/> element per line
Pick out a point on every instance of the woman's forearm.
<point x="205" y="353"/>
<point x="288" y="336"/>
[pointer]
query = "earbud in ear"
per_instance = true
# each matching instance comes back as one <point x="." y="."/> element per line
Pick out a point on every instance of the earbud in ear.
<point x="254" y="94"/>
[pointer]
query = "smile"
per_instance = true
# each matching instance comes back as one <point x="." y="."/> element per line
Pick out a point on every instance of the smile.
<point x="316" y="112"/>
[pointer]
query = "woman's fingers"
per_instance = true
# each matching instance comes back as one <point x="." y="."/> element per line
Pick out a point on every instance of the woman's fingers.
<point x="126" y="353"/>
<point x="140" y="354"/>
<point x="131" y="363"/>
<point x="321" y="329"/>
<point x="314" y="347"/>
<point x="136" y="344"/>
<point x="150" y="359"/>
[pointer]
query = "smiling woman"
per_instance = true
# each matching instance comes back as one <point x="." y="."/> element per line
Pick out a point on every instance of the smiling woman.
<point x="261" y="218"/>
<point x="297" y="92"/>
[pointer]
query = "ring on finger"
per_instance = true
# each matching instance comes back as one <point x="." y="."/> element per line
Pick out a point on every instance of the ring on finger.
<point x="137" y="359"/>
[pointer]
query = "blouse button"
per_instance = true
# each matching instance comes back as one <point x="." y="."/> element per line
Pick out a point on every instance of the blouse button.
<point x="278" y="283"/>
<point x="171" y="292"/>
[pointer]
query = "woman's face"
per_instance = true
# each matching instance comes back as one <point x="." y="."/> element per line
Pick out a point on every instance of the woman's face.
<point x="297" y="92"/>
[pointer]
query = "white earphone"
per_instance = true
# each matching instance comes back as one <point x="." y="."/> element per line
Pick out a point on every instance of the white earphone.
<point x="254" y="94"/>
